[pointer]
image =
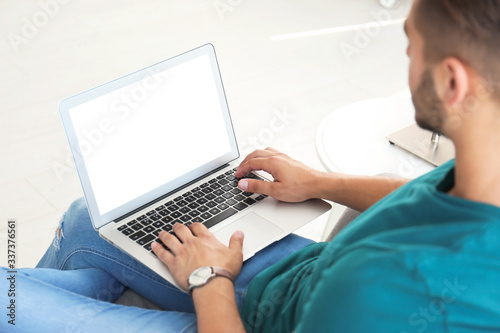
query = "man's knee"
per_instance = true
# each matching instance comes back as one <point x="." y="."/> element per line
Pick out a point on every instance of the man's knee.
<point x="77" y="217"/>
<point x="78" y="210"/>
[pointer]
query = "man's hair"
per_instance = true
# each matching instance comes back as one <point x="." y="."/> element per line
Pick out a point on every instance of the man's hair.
<point x="466" y="29"/>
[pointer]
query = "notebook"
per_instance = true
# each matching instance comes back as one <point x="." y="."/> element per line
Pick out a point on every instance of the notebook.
<point x="157" y="147"/>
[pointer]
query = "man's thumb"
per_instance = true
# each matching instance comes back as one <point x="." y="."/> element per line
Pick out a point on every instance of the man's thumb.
<point x="236" y="241"/>
<point x="255" y="186"/>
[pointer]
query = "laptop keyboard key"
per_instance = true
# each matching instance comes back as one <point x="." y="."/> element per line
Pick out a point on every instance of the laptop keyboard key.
<point x="167" y="219"/>
<point x="214" y="211"/>
<point x="149" y="229"/>
<point x="206" y="216"/>
<point x="137" y="235"/>
<point x="193" y="205"/>
<point x="249" y="201"/>
<point x="158" y="224"/>
<point x="231" y="202"/>
<point x="145" y="240"/>
<point x="239" y="197"/>
<point x="240" y="206"/>
<point x="223" y="206"/>
<point x="164" y="212"/>
<point x="146" y="222"/>
<point x="219" y="200"/>
<point x="127" y="232"/>
<point x="137" y="226"/>
<point x="202" y="201"/>
<point x="155" y="217"/>
<point x="173" y="208"/>
<point x="221" y="217"/>
<point x="194" y="213"/>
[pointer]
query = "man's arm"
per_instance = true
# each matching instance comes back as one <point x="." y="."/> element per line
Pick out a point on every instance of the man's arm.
<point x="295" y="182"/>
<point x="356" y="192"/>
<point x="196" y="247"/>
<point x="216" y="309"/>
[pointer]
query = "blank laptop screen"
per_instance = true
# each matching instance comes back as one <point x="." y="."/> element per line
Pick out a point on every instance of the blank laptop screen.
<point x="141" y="136"/>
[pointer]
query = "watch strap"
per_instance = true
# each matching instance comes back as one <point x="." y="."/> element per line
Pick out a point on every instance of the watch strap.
<point x="222" y="272"/>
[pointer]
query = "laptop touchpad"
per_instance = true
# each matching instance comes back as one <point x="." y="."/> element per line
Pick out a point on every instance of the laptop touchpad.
<point x="258" y="231"/>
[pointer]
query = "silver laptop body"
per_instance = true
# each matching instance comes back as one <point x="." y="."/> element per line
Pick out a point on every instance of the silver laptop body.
<point x="156" y="135"/>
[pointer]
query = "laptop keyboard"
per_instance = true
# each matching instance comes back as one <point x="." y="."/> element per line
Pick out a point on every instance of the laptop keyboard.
<point x="210" y="203"/>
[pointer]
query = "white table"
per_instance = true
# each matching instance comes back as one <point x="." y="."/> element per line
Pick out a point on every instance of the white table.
<point x="352" y="140"/>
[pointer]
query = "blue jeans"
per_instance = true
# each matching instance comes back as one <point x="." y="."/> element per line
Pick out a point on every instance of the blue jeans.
<point x="74" y="285"/>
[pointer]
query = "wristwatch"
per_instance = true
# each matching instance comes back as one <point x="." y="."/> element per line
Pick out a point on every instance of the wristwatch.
<point x="202" y="275"/>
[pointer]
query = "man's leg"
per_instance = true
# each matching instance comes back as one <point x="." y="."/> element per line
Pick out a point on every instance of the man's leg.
<point x="265" y="258"/>
<point x="42" y="307"/>
<point x="78" y="246"/>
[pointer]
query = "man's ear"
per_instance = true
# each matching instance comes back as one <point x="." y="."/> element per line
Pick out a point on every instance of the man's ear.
<point x="452" y="81"/>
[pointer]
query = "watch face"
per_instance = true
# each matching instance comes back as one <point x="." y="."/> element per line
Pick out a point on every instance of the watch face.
<point x="200" y="276"/>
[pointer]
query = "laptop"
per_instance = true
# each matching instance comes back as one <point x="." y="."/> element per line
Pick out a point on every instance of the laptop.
<point x="157" y="147"/>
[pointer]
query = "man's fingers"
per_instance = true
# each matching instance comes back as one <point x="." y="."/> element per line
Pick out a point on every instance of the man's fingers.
<point x="236" y="241"/>
<point x="198" y="228"/>
<point x="259" y="163"/>
<point x="256" y="186"/>
<point x="258" y="154"/>
<point x="164" y="255"/>
<point x="276" y="151"/>
<point x="170" y="241"/>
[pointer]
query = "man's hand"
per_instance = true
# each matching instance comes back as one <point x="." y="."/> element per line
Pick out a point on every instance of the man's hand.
<point x="195" y="247"/>
<point x="293" y="181"/>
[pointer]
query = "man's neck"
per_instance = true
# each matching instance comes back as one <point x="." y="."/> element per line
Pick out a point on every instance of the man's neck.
<point x="477" y="165"/>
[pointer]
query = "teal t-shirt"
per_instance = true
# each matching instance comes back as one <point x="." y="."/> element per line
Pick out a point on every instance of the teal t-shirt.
<point x="419" y="260"/>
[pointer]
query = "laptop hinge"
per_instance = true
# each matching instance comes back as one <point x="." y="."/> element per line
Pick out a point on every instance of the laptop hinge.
<point x="170" y="193"/>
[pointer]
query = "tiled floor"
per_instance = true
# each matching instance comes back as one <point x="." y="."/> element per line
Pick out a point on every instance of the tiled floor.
<point x="51" y="49"/>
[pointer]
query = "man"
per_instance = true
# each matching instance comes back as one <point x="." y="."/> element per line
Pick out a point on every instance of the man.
<point x="425" y="258"/>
